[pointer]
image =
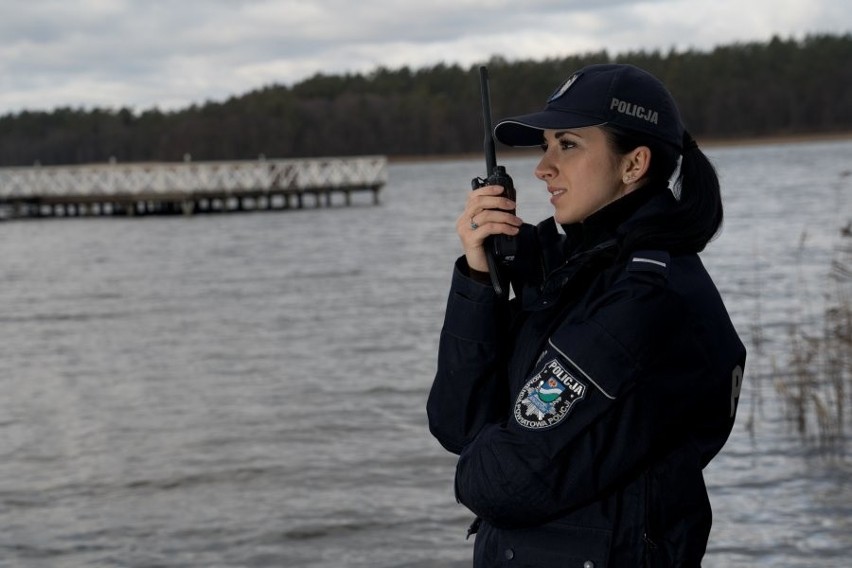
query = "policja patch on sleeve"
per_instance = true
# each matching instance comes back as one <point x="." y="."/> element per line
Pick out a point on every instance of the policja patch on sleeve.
<point x="548" y="397"/>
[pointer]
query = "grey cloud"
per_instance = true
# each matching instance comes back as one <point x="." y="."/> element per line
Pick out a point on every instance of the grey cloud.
<point x="161" y="52"/>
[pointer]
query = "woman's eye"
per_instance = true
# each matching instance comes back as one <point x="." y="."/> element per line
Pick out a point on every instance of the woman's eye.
<point x="563" y="144"/>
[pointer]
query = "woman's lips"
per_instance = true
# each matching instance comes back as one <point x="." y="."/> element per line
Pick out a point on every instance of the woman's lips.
<point x="555" y="192"/>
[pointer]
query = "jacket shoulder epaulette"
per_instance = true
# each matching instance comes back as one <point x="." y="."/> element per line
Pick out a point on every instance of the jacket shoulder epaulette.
<point x="649" y="261"/>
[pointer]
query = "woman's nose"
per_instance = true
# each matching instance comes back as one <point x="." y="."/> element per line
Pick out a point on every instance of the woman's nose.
<point x="544" y="170"/>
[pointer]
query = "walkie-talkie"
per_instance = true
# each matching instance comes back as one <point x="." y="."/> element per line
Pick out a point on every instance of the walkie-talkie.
<point x="500" y="250"/>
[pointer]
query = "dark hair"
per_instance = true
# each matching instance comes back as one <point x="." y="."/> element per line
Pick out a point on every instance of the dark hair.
<point x="696" y="219"/>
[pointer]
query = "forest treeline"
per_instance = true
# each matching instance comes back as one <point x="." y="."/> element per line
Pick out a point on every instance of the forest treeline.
<point x="778" y="87"/>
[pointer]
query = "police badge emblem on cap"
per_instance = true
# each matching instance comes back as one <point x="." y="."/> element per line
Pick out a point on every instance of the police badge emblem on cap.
<point x="564" y="86"/>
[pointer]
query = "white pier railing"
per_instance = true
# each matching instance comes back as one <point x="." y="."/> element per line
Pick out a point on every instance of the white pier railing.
<point x="185" y="186"/>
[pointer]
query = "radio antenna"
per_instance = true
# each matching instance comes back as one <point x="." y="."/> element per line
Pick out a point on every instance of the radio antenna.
<point x="488" y="142"/>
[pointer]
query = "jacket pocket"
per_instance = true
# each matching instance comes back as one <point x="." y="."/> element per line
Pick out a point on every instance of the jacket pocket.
<point x="555" y="545"/>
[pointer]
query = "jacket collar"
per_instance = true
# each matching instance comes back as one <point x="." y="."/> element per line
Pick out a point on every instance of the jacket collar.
<point x="595" y="243"/>
<point x="604" y="224"/>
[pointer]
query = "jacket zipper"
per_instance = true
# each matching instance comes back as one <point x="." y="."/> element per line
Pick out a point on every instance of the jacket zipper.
<point x="650" y="545"/>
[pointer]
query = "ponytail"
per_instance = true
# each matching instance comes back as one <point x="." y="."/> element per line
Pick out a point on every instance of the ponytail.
<point x="695" y="219"/>
<point x="699" y="212"/>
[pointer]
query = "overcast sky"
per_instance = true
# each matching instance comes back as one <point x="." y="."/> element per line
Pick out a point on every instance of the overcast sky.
<point x="172" y="53"/>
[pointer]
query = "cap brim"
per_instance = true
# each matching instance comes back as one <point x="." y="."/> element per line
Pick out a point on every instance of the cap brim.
<point x="526" y="130"/>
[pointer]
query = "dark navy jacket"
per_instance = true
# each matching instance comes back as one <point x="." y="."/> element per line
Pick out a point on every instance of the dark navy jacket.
<point x="584" y="410"/>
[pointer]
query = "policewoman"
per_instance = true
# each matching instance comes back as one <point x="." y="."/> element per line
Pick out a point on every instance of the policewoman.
<point x="584" y="408"/>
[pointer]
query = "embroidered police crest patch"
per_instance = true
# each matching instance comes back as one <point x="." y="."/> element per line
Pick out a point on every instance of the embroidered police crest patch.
<point x="546" y="399"/>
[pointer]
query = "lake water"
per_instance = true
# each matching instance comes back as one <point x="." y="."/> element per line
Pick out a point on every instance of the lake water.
<point x="248" y="390"/>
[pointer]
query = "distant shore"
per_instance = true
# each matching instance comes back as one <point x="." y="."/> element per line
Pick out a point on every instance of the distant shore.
<point x="704" y="142"/>
<point x="777" y="139"/>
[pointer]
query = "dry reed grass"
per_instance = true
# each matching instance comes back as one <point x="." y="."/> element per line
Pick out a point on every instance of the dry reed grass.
<point x="816" y="385"/>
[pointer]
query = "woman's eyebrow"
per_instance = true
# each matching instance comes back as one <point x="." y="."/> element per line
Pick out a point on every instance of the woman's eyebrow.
<point x="561" y="133"/>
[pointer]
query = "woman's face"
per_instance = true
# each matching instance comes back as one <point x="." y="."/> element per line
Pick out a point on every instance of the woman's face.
<point x="582" y="172"/>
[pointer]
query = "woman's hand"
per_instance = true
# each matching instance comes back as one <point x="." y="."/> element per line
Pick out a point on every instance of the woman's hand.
<point x="485" y="214"/>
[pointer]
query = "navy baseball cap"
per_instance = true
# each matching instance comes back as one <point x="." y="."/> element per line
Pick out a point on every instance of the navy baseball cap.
<point x="615" y="94"/>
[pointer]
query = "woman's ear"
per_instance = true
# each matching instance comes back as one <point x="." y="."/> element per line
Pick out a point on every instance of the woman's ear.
<point x="635" y="164"/>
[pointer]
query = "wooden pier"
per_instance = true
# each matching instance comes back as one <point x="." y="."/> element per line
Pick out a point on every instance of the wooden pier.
<point x="187" y="187"/>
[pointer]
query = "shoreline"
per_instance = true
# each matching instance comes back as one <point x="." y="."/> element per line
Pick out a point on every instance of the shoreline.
<point x="775" y="139"/>
<point x="702" y="142"/>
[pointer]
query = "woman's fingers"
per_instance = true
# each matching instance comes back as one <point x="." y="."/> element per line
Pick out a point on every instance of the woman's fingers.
<point x="484" y="206"/>
<point x="491" y="222"/>
<point x="488" y="197"/>
<point x="486" y="213"/>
